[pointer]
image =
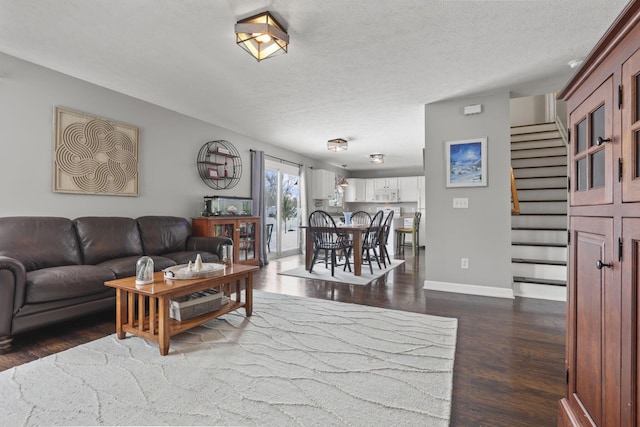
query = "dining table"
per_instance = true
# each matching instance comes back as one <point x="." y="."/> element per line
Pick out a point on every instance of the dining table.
<point x="356" y="233"/>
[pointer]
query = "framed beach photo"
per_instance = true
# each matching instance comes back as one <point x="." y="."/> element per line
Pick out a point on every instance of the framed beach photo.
<point x="466" y="162"/>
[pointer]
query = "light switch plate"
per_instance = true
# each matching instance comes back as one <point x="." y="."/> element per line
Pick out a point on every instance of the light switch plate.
<point x="460" y="202"/>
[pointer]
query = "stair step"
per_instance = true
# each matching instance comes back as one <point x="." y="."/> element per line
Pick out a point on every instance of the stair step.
<point x="543" y="244"/>
<point x="533" y="128"/>
<point x="547" y="182"/>
<point x="536" y="136"/>
<point x="539" y="271"/>
<point x="538" y="152"/>
<point x="554" y="237"/>
<point x="538" y="261"/>
<point x="543" y="207"/>
<point x="535" y="162"/>
<point x="539" y="220"/>
<point x="538" y="251"/>
<point x="539" y="281"/>
<point x="542" y="143"/>
<point x="545" y="171"/>
<point x="541" y="228"/>
<point x="540" y="291"/>
<point x="555" y="194"/>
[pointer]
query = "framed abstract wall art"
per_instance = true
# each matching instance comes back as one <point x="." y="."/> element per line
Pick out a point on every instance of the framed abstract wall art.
<point x="93" y="155"/>
<point x="466" y="162"/>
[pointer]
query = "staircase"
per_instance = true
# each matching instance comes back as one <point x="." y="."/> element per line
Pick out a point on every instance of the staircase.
<point x="539" y="232"/>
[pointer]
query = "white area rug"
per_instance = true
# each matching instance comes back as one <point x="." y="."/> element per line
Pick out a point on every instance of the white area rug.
<point x="321" y="273"/>
<point x="296" y="361"/>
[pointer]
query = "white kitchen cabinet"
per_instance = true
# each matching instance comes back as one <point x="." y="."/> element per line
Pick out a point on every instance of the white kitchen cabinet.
<point x="408" y="190"/>
<point x="355" y="191"/>
<point x="385" y="183"/>
<point x="323" y="185"/>
<point x="370" y="190"/>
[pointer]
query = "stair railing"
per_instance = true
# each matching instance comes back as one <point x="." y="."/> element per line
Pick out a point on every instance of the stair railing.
<point x="515" y="209"/>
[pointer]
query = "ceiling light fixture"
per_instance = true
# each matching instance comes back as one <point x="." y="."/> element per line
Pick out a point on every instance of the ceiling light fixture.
<point x="337" y="144"/>
<point x="262" y="36"/>
<point x="376" y="158"/>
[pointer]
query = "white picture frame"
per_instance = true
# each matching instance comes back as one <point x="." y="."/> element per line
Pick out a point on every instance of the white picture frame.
<point x="466" y="163"/>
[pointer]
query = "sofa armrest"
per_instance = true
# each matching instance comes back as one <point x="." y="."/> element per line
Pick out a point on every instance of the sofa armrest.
<point x="208" y="244"/>
<point x="12" y="291"/>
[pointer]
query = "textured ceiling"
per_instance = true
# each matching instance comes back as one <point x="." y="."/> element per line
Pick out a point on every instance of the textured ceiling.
<point x="356" y="69"/>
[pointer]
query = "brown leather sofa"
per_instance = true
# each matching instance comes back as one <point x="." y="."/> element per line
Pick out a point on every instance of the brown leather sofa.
<point x="53" y="269"/>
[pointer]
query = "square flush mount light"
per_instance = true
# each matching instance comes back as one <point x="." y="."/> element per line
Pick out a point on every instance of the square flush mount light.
<point x="337" y="144"/>
<point x="376" y="158"/>
<point x="262" y="36"/>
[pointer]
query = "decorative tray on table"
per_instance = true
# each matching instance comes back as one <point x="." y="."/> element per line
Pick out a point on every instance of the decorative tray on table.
<point x="188" y="271"/>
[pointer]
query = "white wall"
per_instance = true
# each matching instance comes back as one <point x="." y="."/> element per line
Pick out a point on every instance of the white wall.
<point x="480" y="233"/>
<point x="169" y="183"/>
<point x="528" y="110"/>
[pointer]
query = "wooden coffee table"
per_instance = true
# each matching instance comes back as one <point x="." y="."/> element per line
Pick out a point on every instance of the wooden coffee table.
<point x="143" y="310"/>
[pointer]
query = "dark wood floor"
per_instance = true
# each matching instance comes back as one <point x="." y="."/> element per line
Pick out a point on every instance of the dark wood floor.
<point x="509" y="368"/>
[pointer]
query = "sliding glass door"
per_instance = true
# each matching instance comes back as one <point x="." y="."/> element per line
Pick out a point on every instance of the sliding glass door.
<point x="282" y="218"/>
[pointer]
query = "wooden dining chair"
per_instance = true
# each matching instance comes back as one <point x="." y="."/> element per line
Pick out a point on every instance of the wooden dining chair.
<point x="384" y="239"/>
<point x="370" y="241"/>
<point x="269" y="232"/>
<point x="361" y="218"/>
<point x="414" y="231"/>
<point x="327" y="238"/>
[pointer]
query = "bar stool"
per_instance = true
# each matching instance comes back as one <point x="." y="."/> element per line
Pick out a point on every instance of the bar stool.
<point x="401" y="234"/>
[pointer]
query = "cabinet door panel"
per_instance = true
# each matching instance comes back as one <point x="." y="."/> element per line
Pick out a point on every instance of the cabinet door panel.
<point x="592" y="165"/>
<point x="631" y="129"/>
<point x="593" y="356"/>
<point x="243" y="231"/>
<point x="630" y="374"/>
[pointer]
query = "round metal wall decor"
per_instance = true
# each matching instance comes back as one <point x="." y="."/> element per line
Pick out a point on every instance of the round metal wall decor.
<point x="219" y="165"/>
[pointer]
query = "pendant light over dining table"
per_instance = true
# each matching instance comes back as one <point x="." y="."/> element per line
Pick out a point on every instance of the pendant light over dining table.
<point x="262" y="36"/>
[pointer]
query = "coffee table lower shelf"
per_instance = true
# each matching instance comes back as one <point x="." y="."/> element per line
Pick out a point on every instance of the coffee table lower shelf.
<point x="144" y="311"/>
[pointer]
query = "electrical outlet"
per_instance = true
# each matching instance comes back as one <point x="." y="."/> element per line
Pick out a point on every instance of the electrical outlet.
<point x="464" y="263"/>
<point x="460" y="202"/>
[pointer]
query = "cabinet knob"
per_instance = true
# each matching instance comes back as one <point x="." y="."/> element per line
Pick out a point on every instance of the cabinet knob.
<point x="602" y="140"/>
<point x="600" y="264"/>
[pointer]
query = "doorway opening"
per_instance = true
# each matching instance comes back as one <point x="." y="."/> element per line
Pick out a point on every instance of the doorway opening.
<point x="282" y="215"/>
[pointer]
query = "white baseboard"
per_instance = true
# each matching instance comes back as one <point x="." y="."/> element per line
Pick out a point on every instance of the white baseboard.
<point x="534" y="290"/>
<point x="460" y="288"/>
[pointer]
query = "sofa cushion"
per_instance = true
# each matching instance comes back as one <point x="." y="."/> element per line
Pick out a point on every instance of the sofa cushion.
<point x="106" y="238"/>
<point x="126" y="267"/>
<point x="161" y="262"/>
<point x="163" y="234"/>
<point x="39" y="242"/>
<point x="185" y="256"/>
<point x="58" y="283"/>
<point x="121" y="267"/>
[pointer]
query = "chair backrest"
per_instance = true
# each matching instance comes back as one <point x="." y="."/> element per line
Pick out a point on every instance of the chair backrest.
<point x="269" y="231"/>
<point x="416" y="220"/>
<point x="373" y="232"/>
<point x="386" y="229"/>
<point x="361" y="218"/>
<point x="322" y="238"/>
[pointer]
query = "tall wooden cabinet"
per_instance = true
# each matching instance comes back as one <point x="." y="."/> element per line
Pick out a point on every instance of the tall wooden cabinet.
<point x="602" y="362"/>
<point x="243" y="230"/>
